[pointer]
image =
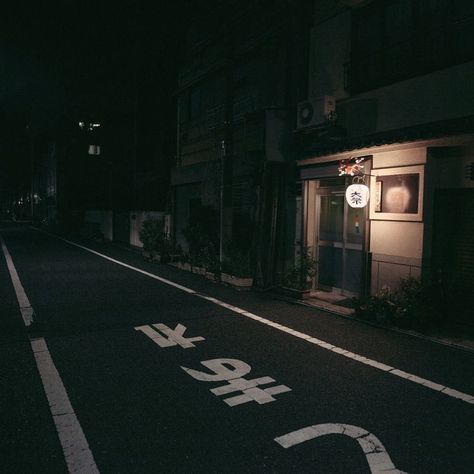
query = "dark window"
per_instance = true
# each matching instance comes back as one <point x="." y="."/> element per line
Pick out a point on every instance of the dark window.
<point x="195" y="108"/>
<point x="394" y="40"/>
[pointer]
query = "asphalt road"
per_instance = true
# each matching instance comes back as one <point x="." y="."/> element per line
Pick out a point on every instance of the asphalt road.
<point x="210" y="388"/>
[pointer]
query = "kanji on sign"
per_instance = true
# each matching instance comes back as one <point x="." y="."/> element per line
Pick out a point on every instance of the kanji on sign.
<point x="173" y="337"/>
<point x="357" y="195"/>
<point x="233" y="370"/>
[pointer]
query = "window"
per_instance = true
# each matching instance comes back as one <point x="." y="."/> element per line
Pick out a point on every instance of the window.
<point x="397" y="39"/>
<point x="397" y="193"/>
<point x="195" y="104"/>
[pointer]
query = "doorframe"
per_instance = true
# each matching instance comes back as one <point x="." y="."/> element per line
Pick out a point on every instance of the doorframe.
<point x="311" y="222"/>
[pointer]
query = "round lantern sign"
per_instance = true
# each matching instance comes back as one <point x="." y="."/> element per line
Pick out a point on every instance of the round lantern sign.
<point x="357" y="195"/>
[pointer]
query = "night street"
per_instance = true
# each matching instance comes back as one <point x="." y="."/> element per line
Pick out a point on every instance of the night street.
<point x="161" y="376"/>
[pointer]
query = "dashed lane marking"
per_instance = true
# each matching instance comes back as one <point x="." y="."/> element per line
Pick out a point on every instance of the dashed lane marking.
<point x="450" y="392"/>
<point x="78" y="456"/>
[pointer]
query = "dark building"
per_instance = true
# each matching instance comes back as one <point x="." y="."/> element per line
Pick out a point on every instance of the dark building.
<point x="93" y="85"/>
<point x="244" y="69"/>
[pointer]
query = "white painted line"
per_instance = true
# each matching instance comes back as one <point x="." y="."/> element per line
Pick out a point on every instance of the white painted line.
<point x="25" y="307"/>
<point x="78" y="456"/>
<point x="118" y="262"/>
<point x="325" y="345"/>
<point x="377" y="457"/>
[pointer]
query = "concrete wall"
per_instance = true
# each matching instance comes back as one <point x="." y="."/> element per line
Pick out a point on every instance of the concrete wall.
<point x="441" y="95"/>
<point x="104" y="221"/>
<point x="396" y="245"/>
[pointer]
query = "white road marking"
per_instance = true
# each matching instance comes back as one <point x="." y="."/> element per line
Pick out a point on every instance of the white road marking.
<point x="236" y="382"/>
<point x="118" y="262"/>
<point x="173" y="337"/>
<point x="375" y="452"/>
<point x="26" y="310"/>
<point x="222" y="369"/>
<point x="78" y="456"/>
<point x="466" y="397"/>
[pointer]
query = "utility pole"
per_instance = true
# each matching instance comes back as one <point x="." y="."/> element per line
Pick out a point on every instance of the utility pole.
<point x="221" y="203"/>
<point x="32" y="171"/>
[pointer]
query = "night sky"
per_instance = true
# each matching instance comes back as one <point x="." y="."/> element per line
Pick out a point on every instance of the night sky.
<point x="64" y="61"/>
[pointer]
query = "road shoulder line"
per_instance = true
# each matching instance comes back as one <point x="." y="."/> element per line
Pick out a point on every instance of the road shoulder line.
<point x="26" y="310"/>
<point x="77" y="454"/>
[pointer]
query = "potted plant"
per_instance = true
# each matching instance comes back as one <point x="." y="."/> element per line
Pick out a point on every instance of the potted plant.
<point x="236" y="269"/>
<point x="297" y="277"/>
<point x="156" y="245"/>
<point x="201" y="236"/>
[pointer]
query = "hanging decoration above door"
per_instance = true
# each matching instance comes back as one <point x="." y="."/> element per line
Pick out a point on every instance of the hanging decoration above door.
<point x="358" y="193"/>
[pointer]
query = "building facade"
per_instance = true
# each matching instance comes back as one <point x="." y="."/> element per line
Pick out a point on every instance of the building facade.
<point x="401" y="76"/>
<point x="243" y="72"/>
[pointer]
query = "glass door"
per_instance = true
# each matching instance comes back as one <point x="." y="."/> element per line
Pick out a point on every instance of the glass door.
<point x="339" y="242"/>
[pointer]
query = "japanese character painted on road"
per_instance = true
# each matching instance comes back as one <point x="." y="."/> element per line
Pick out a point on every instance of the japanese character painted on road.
<point x="173" y="337"/>
<point x="232" y="371"/>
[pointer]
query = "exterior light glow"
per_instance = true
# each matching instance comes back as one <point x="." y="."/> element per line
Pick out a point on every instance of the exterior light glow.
<point x="94" y="150"/>
<point x="90" y="125"/>
<point x="398" y="198"/>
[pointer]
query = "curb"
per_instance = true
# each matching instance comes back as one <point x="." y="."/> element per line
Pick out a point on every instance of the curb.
<point x="406" y="332"/>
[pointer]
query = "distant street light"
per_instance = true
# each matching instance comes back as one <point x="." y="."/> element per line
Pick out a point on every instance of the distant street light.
<point x="88" y="125"/>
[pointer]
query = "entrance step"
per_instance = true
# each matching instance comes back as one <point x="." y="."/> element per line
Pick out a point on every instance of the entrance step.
<point x="327" y="296"/>
<point x="325" y="305"/>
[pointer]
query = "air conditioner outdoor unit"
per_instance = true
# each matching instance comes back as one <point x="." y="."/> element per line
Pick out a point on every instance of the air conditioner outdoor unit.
<point x="314" y="112"/>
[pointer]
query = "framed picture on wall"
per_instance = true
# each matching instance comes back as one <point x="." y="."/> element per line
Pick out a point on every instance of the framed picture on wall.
<point x="397" y="193"/>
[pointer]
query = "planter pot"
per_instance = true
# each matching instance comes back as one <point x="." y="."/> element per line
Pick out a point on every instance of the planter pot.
<point x="210" y="276"/>
<point x="237" y="282"/>
<point x="294" y="293"/>
<point x="198" y="270"/>
<point x="151" y="256"/>
<point x="182" y="266"/>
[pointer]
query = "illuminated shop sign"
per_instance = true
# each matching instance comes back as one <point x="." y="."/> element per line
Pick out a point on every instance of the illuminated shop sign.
<point x="357" y="194"/>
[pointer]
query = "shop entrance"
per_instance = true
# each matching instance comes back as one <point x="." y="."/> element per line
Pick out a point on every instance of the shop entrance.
<point x="340" y="235"/>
